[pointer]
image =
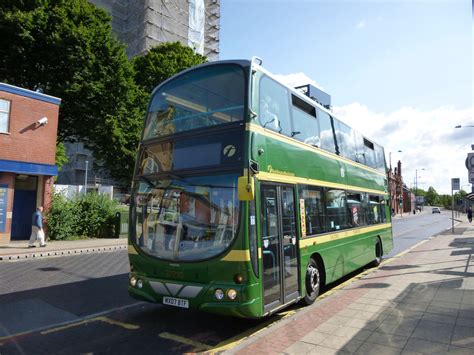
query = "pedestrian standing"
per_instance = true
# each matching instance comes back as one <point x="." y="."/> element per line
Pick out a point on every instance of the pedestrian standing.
<point x="469" y="214"/>
<point x="37" y="232"/>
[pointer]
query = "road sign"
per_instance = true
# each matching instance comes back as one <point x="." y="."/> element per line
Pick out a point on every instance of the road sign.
<point x="455" y="184"/>
<point x="470" y="161"/>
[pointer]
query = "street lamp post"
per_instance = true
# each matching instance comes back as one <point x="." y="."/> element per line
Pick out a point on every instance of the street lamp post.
<point x="468" y="126"/>
<point x="85" y="179"/>
<point x="390" y="158"/>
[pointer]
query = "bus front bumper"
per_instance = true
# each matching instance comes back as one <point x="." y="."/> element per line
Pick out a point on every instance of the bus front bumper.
<point x="242" y="306"/>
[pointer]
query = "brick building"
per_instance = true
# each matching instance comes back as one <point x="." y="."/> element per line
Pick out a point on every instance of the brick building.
<point x="395" y="186"/>
<point x="28" y="131"/>
<point x="408" y="200"/>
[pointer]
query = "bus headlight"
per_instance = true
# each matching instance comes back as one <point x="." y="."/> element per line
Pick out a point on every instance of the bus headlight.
<point x="219" y="294"/>
<point x="231" y="294"/>
<point x="133" y="281"/>
<point x="139" y="284"/>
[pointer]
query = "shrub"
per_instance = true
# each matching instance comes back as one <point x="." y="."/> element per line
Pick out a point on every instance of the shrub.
<point x="62" y="218"/>
<point x="97" y="212"/>
<point x="84" y="216"/>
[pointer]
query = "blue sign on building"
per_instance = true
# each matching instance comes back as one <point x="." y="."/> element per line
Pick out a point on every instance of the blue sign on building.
<point x="3" y="207"/>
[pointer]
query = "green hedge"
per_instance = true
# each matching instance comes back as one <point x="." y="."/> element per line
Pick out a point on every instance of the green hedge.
<point x="84" y="216"/>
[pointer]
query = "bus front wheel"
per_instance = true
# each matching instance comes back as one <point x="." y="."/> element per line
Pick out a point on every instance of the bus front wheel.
<point x="313" y="282"/>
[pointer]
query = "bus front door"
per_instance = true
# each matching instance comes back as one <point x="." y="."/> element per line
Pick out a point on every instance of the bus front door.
<point x="279" y="245"/>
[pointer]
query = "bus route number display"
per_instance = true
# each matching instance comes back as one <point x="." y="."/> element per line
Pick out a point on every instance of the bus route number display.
<point x="3" y="206"/>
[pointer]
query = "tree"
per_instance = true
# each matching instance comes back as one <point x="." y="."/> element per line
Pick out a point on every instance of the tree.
<point x="432" y="197"/>
<point x="162" y="62"/>
<point x="65" y="48"/>
<point x="418" y="192"/>
<point x="61" y="157"/>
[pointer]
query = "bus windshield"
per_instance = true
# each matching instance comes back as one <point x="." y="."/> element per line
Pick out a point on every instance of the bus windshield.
<point x="185" y="219"/>
<point x="197" y="99"/>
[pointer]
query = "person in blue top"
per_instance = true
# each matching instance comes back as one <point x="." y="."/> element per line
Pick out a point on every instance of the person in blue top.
<point x="37" y="232"/>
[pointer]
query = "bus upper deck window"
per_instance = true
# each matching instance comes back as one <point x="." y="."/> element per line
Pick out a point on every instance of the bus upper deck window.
<point x="274" y="109"/>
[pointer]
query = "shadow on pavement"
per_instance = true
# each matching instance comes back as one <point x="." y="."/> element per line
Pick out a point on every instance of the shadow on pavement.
<point x="397" y="267"/>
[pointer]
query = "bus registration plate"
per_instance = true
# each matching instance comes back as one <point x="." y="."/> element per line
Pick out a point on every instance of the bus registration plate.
<point x="177" y="302"/>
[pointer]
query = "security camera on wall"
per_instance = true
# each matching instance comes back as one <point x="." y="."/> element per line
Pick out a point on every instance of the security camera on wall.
<point x="42" y="121"/>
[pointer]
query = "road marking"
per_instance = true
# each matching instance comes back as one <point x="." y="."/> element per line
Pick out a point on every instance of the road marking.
<point x="86" y="321"/>
<point x="63" y="325"/>
<point x="8" y="337"/>
<point x="120" y="324"/>
<point x="198" y="346"/>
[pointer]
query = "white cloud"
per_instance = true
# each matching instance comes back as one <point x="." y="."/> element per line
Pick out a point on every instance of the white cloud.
<point x="427" y="139"/>
<point x="297" y="79"/>
<point x="361" y="24"/>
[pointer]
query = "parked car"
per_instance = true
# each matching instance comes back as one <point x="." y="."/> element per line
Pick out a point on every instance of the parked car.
<point x="435" y="210"/>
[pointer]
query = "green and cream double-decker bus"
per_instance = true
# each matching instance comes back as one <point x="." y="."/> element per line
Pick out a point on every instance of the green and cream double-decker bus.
<point x="249" y="196"/>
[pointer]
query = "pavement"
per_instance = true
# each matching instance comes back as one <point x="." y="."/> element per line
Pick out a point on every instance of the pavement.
<point x="419" y="302"/>
<point x="16" y="251"/>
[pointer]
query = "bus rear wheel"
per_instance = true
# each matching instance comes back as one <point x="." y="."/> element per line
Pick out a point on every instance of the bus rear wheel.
<point x="378" y="253"/>
<point x="313" y="282"/>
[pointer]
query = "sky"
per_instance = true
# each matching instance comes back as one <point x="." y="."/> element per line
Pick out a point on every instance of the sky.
<point x="400" y="72"/>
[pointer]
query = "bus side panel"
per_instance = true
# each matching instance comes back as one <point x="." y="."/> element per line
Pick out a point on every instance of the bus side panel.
<point x="346" y="255"/>
<point x="387" y="240"/>
<point x="286" y="158"/>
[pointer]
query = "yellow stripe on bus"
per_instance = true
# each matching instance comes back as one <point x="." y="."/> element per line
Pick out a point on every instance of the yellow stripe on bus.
<point x="341" y="235"/>
<point x="237" y="255"/>
<point x="299" y="180"/>
<point x="132" y="250"/>
<point x="252" y="127"/>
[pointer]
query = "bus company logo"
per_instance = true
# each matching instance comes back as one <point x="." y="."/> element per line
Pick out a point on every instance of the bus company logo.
<point x="229" y="150"/>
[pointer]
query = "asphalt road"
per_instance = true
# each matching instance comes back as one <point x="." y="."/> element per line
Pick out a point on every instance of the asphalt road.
<point x="79" y="304"/>
<point x="411" y="229"/>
